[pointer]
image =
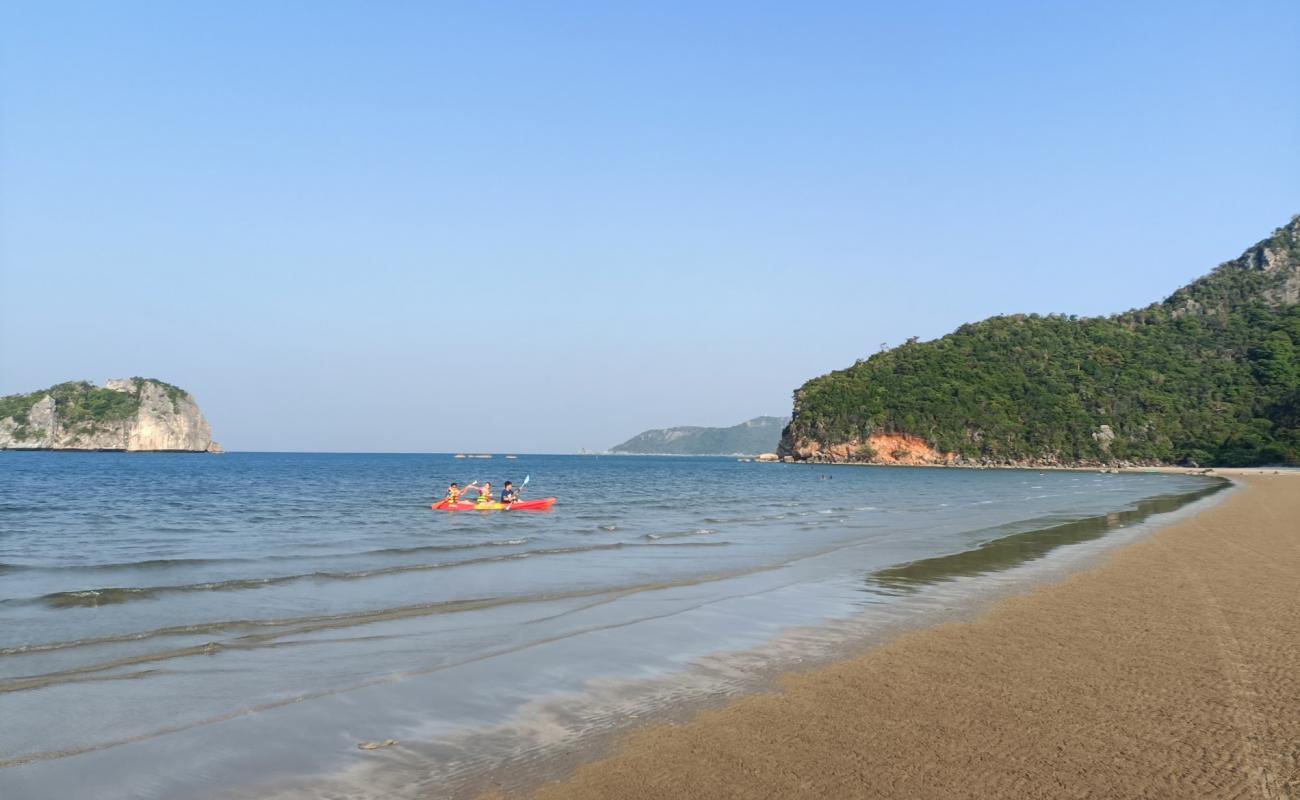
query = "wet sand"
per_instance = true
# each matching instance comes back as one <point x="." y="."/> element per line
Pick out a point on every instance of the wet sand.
<point x="1171" y="670"/>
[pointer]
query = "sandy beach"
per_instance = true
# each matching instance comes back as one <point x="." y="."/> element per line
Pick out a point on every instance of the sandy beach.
<point x="1171" y="670"/>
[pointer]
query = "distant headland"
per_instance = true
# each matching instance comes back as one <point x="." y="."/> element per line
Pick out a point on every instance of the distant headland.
<point x="758" y="435"/>
<point x="127" y="414"/>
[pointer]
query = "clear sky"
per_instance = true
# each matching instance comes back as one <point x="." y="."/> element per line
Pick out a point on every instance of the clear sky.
<point x="535" y="227"/>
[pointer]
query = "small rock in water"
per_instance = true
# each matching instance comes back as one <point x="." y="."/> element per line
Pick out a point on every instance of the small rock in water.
<point x="376" y="745"/>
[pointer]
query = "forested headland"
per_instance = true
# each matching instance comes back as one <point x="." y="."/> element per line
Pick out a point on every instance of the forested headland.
<point x="1209" y="376"/>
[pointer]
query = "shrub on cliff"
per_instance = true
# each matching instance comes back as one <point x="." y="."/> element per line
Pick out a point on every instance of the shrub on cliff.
<point x="79" y="402"/>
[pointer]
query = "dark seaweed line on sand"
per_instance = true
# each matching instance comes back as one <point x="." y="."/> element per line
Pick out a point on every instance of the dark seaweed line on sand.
<point x="1010" y="551"/>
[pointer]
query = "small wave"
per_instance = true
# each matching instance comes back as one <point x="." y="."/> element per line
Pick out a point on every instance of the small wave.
<point x="165" y="563"/>
<point x="90" y="598"/>
<point x="19" y="508"/>
<point x="677" y="534"/>
<point x="662" y="545"/>
<point x="608" y="528"/>
<point x="440" y="548"/>
<point x="155" y="563"/>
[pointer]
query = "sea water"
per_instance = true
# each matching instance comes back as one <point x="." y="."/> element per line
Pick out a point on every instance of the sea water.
<point x="177" y="625"/>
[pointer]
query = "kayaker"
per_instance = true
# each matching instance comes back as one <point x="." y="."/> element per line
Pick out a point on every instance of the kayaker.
<point x="484" y="493"/>
<point x="509" y="494"/>
<point x="455" y="493"/>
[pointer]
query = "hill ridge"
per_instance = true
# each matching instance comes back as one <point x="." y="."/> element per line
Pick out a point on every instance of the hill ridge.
<point x="751" y="437"/>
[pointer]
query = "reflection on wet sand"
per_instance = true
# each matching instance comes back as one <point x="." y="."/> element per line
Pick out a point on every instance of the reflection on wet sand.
<point x="1012" y="550"/>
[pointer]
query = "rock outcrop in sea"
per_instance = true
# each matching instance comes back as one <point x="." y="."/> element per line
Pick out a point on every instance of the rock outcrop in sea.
<point x="129" y="414"/>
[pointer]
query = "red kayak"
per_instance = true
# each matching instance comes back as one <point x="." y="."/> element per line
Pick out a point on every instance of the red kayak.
<point x="540" y="504"/>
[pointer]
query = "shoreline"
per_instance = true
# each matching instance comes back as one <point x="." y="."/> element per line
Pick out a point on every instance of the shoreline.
<point x="789" y="739"/>
<point x="556" y="731"/>
<point x="1105" y="469"/>
<point x="958" y="596"/>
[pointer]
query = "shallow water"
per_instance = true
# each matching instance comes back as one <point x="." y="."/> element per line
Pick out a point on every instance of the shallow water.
<point x="194" y="626"/>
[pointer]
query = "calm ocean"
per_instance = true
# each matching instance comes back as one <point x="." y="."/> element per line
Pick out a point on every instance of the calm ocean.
<point x="177" y="626"/>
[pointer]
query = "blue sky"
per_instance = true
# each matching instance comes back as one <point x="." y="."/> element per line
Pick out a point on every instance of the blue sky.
<point x="535" y="227"/>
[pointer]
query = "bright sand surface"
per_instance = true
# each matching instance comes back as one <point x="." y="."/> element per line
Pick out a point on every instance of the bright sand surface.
<point x="1171" y="670"/>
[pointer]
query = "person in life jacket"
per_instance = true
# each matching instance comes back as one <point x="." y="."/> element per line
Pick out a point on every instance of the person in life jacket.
<point x="453" y="494"/>
<point x="484" y="492"/>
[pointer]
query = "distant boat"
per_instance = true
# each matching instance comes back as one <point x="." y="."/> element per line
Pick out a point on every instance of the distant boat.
<point x="512" y="456"/>
<point x="460" y="455"/>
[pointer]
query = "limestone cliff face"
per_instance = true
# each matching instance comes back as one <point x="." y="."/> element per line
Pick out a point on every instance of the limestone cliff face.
<point x="164" y="423"/>
<point x="132" y="414"/>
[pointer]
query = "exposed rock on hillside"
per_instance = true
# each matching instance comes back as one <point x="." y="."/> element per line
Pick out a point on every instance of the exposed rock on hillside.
<point x="878" y="448"/>
<point x="134" y="414"/>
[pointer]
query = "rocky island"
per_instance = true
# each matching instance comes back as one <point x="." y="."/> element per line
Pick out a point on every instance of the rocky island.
<point x="129" y="414"/>
<point x="1209" y="376"/>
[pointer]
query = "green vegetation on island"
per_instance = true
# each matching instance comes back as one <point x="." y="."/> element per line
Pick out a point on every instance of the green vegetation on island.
<point x="758" y="435"/>
<point x="1209" y="376"/>
<point x="125" y="414"/>
<point x="77" y="403"/>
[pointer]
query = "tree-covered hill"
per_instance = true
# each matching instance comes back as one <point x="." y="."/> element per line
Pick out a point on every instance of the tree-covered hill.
<point x="1211" y="375"/>
<point x="758" y="435"/>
